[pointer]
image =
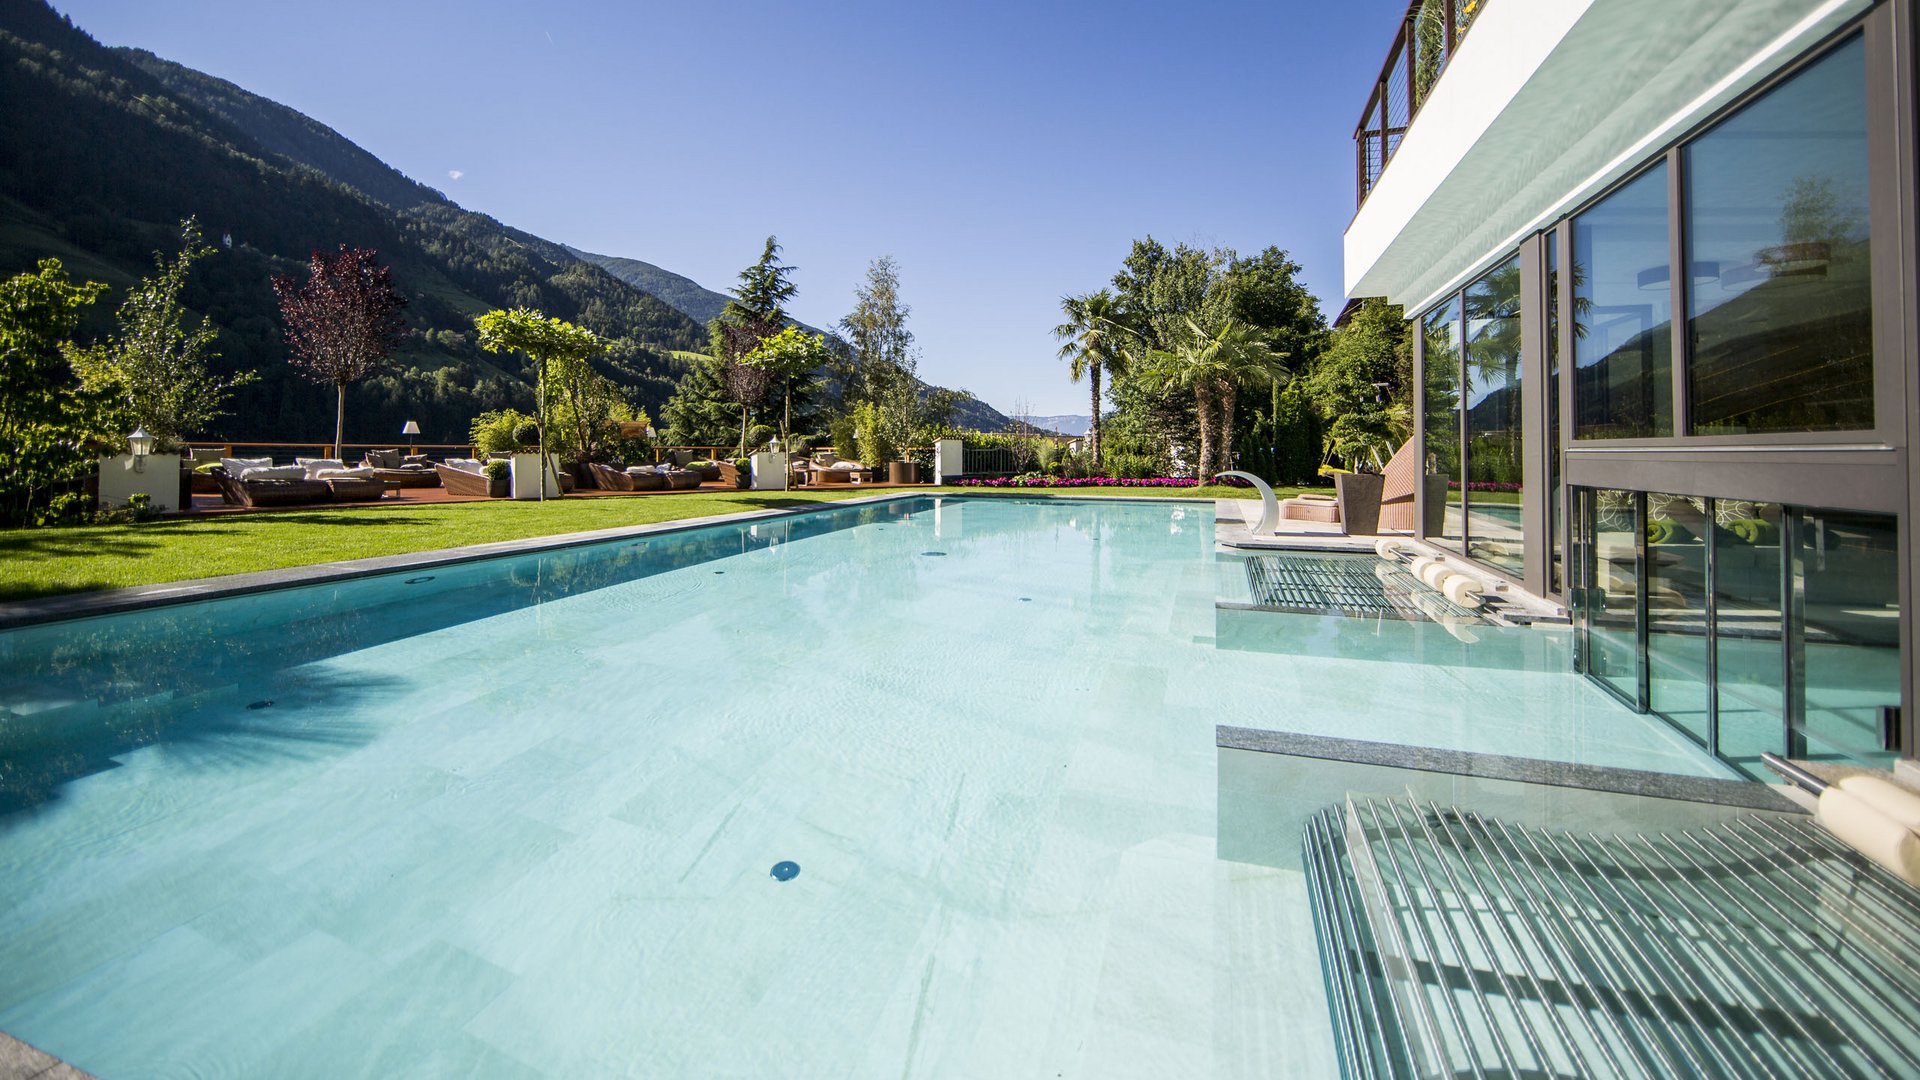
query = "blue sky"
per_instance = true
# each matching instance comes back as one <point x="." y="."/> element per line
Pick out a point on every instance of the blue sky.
<point x="1005" y="154"/>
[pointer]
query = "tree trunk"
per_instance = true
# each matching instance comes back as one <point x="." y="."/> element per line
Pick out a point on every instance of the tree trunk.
<point x="1224" y="403"/>
<point x="1093" y="371"/>
<point x="339" y="419"/>
<point x="742" y="452"/>
<point x="786" y="414"/>
<point x="1203" y="413"/>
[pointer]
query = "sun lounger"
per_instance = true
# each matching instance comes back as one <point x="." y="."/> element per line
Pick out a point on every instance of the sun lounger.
<point x="459" y="481"/>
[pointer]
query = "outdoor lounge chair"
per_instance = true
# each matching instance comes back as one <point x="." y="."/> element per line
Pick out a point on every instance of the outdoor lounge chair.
<point x="608" y="478"/>
<point x="459" y="481"/>
<point x="1397" y="484"/>
<point x="392" y="466"/>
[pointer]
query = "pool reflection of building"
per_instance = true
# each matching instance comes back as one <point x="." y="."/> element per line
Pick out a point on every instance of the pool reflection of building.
<point x="1659" y="256"/>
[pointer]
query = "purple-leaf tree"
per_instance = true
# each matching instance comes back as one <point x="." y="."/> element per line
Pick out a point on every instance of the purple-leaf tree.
<point x="343" y="323"/>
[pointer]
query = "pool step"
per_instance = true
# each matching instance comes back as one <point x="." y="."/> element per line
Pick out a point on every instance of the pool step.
<point x="1455" y="944"/>
<point x="1344" y="585"/>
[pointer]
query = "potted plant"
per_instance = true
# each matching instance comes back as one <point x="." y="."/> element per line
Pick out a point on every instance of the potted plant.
<point x="529" y="468"/>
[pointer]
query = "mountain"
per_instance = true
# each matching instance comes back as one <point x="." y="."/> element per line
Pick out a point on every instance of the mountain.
<point x="1065" y="424"/>
<point x="103" y="153"/>
<point x="692" y="299"/>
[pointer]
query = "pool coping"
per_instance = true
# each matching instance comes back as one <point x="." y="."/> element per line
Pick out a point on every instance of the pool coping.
<point x="23" y="1061"/>
<point x="82" y="605"/>
<point x="139" y="597"/>
<point x="1746" y="794"/>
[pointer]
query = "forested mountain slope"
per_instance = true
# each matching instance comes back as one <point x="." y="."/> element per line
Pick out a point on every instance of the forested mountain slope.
<point x="100" y="160"/>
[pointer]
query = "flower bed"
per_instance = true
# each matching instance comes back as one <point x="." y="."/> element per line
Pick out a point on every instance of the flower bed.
<point x="1087" y="481"/>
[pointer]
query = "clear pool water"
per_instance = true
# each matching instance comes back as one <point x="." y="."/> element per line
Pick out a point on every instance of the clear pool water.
<point x="521" y="818"/>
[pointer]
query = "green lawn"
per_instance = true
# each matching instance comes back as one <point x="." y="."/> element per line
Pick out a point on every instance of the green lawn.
<point x="48" y="562"/>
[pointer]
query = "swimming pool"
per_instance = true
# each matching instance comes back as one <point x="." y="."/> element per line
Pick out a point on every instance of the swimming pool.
<point x="519" y="818"/>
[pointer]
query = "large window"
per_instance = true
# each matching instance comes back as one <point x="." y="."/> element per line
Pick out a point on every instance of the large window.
<point x="1623" y="304"/>
<point x="1441" y="329"/>
<point x="1493" y="397"/>
<point x="1780" y="319"/>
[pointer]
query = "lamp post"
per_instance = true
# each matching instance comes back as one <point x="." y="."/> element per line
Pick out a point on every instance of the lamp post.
<point x="140" y="444"/>
<point x="412" y="431"/>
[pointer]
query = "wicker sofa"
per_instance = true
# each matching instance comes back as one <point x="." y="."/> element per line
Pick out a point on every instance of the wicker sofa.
<point x="276" y="492"/>
<point x="403" y="470"/>
<point x="460" y="481"/>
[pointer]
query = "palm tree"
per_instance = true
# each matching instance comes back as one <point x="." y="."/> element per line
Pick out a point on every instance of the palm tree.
<point x="1092" y="342"/>
<point x="1215" y="366"/>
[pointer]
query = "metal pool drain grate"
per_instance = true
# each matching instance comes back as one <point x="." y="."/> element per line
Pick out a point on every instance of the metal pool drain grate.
<point x="1455" y="944"/>
<point x="1357" y="586"/>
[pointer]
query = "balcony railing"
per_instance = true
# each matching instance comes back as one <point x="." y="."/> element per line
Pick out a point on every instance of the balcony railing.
<point x="1428" y="35"/>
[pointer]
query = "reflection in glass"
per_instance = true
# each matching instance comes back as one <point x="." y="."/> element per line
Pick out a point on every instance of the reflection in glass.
<point x="1445" y="512"/>
<point x="1847" y="653"/>
<point x="1780" y="334"/>
<point x="1493" y="400"/>
<point x="1623" y="387"/>
<point x="1677" y="685"/>
<point x="1610" y="605"/>
<point x="1555" y="535"/>
<point x="1747" y="631"/>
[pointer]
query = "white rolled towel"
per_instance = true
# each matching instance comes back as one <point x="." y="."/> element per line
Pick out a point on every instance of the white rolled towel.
<point x="1436" y="573"/>
<point x="1420" y="564"/>
<point x="1889" y="798"/>
<point x="1386" y="547"/>
<point x="1464" y="591"/>
<point x="1871" y="833"/>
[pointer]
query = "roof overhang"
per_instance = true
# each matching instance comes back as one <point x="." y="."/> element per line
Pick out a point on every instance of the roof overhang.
<point x="1545" y="103"/>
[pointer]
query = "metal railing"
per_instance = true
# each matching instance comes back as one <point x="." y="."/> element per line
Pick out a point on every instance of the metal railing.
<point x="1424" y="44"/>
<point x="322" y="449"/>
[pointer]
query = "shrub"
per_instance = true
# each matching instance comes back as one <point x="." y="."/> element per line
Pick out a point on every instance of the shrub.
<point x="499" y="470"/>
<point x="497" y="432"/>
<point x="759" y="435"/>
<point x="526" y="433"/>
<point x="840" y="434"/>
<point x="1129" y="466"/>
<point x="875" y="448"/>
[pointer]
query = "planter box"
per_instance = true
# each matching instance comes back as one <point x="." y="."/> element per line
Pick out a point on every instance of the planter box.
<point x="903" y="472"/>
<point x="1359" y="498"/>
<point x="527" y="476"/>
<point x="157" y="477"/>
<point x="769" y="471"/>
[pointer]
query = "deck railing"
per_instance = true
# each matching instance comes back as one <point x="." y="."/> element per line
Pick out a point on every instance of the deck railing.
<point x="1424" y="44"/>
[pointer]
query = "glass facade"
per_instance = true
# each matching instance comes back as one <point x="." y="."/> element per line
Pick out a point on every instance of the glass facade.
<point x="1846" y="657"/>
<point x="1609" y="608"/>
<point x="1445" y="524"/>
<point x="1751" y="626"/>
<point x="1623" y="312"/>
<point x="1759" y="628"/>
<point x="1780" y="315"/>
<point x="1492" y="392"/>
<point x="1749" y="631"/>
<point x="1678" y="685"/>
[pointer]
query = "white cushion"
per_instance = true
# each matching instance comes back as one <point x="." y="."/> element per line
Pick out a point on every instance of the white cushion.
<point x="274" y="472"/>
<point x="464" y="464"/>
<point x="238" y="465"/>
<point x="313" y="465"/>
<point x="327" y="474"/>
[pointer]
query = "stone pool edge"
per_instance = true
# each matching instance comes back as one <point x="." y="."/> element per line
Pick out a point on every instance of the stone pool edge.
<point x="1745" y="794"/>
<point x="138" y="597"/>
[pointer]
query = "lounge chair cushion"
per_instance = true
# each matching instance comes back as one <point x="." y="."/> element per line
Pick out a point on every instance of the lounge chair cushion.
<point x="361" y="473"/>
<point x="313" y="465"/>
<point x="466" y="464"/>
<point x="383" y="459"/>
<point x="421" y="460"/>
<point x="274" y="472"/>
<point x="238" y="465"/>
